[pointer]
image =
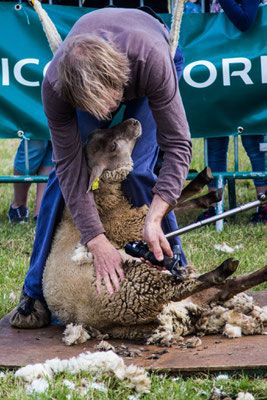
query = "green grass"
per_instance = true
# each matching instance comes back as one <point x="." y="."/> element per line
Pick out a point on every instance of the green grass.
<point x="163" y="387"/>
<point x="15" y="250"/>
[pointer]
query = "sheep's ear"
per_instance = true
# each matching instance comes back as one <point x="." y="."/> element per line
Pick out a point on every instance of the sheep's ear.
<point x="95" y="174"/>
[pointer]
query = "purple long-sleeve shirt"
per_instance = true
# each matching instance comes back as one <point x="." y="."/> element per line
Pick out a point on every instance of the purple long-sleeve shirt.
<point x="145" y="41"/>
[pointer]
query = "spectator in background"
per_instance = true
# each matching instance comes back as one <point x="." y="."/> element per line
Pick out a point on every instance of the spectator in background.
<point x="242" y="14"/>
<point x="192" y="6"/>
<point x="40" y="163"/>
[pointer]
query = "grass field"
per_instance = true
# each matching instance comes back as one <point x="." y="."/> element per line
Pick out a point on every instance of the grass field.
<point x="15" y="250"/>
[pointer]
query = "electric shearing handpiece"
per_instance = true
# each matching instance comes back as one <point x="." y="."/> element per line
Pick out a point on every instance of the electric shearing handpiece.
<point x="139" y="249"/>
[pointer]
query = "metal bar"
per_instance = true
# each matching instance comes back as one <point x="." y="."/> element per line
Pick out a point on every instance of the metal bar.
<point x="265" y="154"/>
<point x="202" y="6"/>
<point x="26" y="153"/>
<point x="23" y="178"/>
<point x="220" y="204"/>
<point x="236" y="152"/>
<point x="239" y="175"/>
<point x="244" y="207"/>
<point x="206" y="157"/>
<point x="141" y="3"/>
<point x="80" y="3"/>
<point x="236" y="175"/>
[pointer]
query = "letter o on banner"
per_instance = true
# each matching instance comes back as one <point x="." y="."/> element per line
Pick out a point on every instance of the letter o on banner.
<point x="208" y="82"/>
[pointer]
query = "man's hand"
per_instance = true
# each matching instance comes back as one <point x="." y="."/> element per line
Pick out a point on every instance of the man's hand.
<point x="107" y="262"/>
<point x="153" y="234"/>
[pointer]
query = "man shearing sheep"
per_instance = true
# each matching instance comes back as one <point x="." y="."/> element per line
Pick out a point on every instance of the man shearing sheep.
<point x="111" y="57"/>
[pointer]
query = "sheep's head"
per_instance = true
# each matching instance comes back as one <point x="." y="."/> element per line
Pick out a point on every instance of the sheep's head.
<point x="110" y="149"/>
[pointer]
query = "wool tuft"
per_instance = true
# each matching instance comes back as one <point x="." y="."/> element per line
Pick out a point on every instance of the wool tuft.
<point x="38" y="386"/>
<point x="74" y="334"/>
<point x="105" y="346"/>
<point x="232" y="331"/>
<point x="81" y="255"/>
<point x="245" y="396"/>
<point x="32" y="372"/>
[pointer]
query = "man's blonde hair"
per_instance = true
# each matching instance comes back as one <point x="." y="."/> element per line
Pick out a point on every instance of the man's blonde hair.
<point x="89" y="71"/>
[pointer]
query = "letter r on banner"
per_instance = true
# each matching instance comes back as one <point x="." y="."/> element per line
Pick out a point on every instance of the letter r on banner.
<point x="243" y="73"/>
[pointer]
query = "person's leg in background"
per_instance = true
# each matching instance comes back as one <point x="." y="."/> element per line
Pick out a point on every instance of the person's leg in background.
<point x="18" y="210"/>
<point x="217" y="160"/>
<point x="251" y="144"/>
<point x="40" y="163"/>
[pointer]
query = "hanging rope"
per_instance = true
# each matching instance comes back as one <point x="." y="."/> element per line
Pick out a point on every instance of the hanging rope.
<point x="176" y="25"/>
<point x="50" y="30"/>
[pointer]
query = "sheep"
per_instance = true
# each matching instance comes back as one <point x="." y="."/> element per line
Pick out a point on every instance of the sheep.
<point x="148" y="304"/>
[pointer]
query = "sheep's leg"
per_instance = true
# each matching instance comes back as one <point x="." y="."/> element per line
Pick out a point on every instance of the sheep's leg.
<point x="205" y="281"/>
<point x="231" y="287"/>
<point x="200" y="202"/>
<point x="194" y="187"/>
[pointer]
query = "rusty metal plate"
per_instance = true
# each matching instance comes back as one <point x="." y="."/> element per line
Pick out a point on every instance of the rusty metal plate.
<point x="20" y="347"/>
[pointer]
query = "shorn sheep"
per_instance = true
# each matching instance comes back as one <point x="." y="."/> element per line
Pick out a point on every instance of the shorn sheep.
<point x="149" y="304"/>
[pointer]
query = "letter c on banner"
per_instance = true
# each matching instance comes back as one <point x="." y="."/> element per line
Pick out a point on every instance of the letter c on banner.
<point x="17" y="71"/>
<point x="208" y="82"/>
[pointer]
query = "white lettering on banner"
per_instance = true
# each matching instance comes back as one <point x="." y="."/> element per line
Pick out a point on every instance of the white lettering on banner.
<point x="18" y="71"/>
<point x="264" y="69"/>
<point x="226" y="75"/>
<point x="242" y="73"/>
<point x="204" y="64"/>
<point x="208" y="82"/>
<point x="18" y="68"/>
<point x="5" y="72"/>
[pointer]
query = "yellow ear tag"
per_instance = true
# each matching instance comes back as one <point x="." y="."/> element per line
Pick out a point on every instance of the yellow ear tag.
<point x="95" y="184"/>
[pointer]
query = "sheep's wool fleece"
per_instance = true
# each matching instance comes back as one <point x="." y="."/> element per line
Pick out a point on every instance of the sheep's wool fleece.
<point x="233" y="318"/>
<point x="91" y="362"/>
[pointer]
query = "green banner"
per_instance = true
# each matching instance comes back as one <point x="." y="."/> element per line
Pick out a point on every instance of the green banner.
<point x="223" y="84"/>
